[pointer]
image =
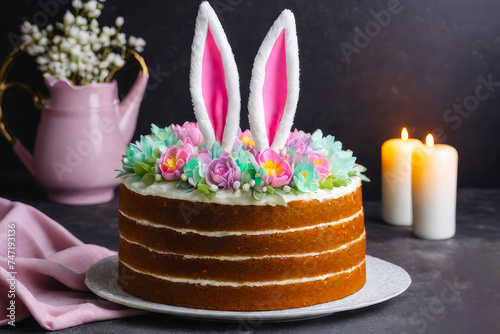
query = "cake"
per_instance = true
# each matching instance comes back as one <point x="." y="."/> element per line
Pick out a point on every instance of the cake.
<point x="217" y="218"/>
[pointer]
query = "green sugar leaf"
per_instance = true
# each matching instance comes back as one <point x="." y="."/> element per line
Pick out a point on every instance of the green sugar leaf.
<point x="141" y="168"/>
<point x="150" y="161"/>
<point x="210" y="195"/>
<point x="258" y="195"/>
<point x="326" y="183"/>
<point x="203" y="188"/>
<point x="339" y="182"/>
<point x="148" y="179"/>
<point x="258" y="189"/>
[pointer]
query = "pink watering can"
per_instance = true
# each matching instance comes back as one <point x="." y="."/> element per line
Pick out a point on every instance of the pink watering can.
<point x="82" y="134"/>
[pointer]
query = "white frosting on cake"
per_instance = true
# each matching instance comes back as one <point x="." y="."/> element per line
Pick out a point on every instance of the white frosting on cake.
<point x="245" y="258"/>
<point x="204" y="282"/>
<point x="219" y="234"/>
<point x="229" y="197"/>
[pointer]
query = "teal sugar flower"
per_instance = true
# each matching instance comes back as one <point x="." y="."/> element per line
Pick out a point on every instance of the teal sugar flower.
<point x="341" y="162"/>
<point x="305" y="177"/>
<point x="242" y="159"/>
<point x="194" y="171"/>
<point x="146" y="150"/>
<point x="166" y="136"/>
<point x="316" y="140"/>
<point x="358" y="170"/>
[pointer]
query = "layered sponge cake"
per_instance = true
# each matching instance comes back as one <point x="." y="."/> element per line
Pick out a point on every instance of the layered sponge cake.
<point x="232" y="255"/>
<point x="217" y="218"/>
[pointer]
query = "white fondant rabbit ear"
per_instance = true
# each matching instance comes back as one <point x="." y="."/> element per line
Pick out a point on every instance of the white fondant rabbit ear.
<point x="214" y="81"/>
<point x="274" y="87"/>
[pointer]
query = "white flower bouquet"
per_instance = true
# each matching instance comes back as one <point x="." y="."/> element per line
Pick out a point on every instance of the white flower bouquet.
<point x="77" y="48"/>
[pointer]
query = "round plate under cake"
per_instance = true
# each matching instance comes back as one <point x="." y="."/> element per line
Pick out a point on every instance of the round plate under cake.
<point x="384" y="281"/>
<point x="239" y="254"/>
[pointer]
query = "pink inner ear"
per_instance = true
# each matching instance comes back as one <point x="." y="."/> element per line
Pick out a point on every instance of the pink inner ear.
<point x="274" y="89"/>
<point x="214" y="86"/>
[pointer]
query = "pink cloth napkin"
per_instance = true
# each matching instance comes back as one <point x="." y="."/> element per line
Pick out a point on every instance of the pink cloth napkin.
<point x="50" y="266"/>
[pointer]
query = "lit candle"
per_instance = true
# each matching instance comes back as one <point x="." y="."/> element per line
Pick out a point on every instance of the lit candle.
<point x="434" y="190"/>
<point x="396" y="179"/>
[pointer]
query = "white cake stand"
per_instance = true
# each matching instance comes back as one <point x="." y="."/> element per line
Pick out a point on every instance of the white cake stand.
<point x="384" y="281"/>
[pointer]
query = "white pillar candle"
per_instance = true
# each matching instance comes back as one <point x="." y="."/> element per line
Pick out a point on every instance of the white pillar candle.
<point x="434" y="190"/>
<point x="396" y="179"/>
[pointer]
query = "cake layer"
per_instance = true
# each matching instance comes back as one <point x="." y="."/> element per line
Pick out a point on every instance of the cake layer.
<point x="216" y="217"/>
<point x="319" y="237"/>
<point x="242" y="269"/>
<point x="257" y="296"/>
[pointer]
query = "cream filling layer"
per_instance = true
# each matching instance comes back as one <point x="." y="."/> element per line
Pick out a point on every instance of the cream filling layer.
<point x="218" y="234"/>
<point x="236" y="197"/>
<point x="245" y="258"/>
<point x="205" y="282"/>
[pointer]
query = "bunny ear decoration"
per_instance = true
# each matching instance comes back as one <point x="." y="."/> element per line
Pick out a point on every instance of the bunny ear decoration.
<point x="214" y="81"/>
<point x="274" y="87"/>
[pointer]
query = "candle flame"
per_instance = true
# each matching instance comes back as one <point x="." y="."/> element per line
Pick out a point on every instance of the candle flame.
<point x="404" y="134"/>
<point x="429" y="140"/>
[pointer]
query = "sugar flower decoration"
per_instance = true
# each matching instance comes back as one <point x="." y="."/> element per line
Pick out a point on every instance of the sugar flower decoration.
<point x="297" y="144"/>
<point x="188" y="130"/>
<point x="277" y="168"/>
<point x="174" y="159"/>
<point x="164" y="135"/>
<point x="305" y="177"/>
<point x="214" y="154"/>
<point x="320" y="163"/>
<point x="222" y="172"/>
<point x="194" y="171"/>
<point x="246" y="138"/>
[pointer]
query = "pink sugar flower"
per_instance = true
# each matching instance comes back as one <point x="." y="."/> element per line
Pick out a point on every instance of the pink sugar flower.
<point x="246" y="138"/>
<point x="320" y="163"/>
<point x="188" y="130"/>
<point x="174" y="159"/>
<point x="298" y="139"/>
<point x="278" y="170"/>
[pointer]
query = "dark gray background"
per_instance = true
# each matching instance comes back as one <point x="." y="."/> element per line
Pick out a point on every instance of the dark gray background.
<point x="427" y="58"/>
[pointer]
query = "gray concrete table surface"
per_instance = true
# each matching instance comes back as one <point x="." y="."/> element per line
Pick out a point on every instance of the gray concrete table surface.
<point x="455" y="288"/>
